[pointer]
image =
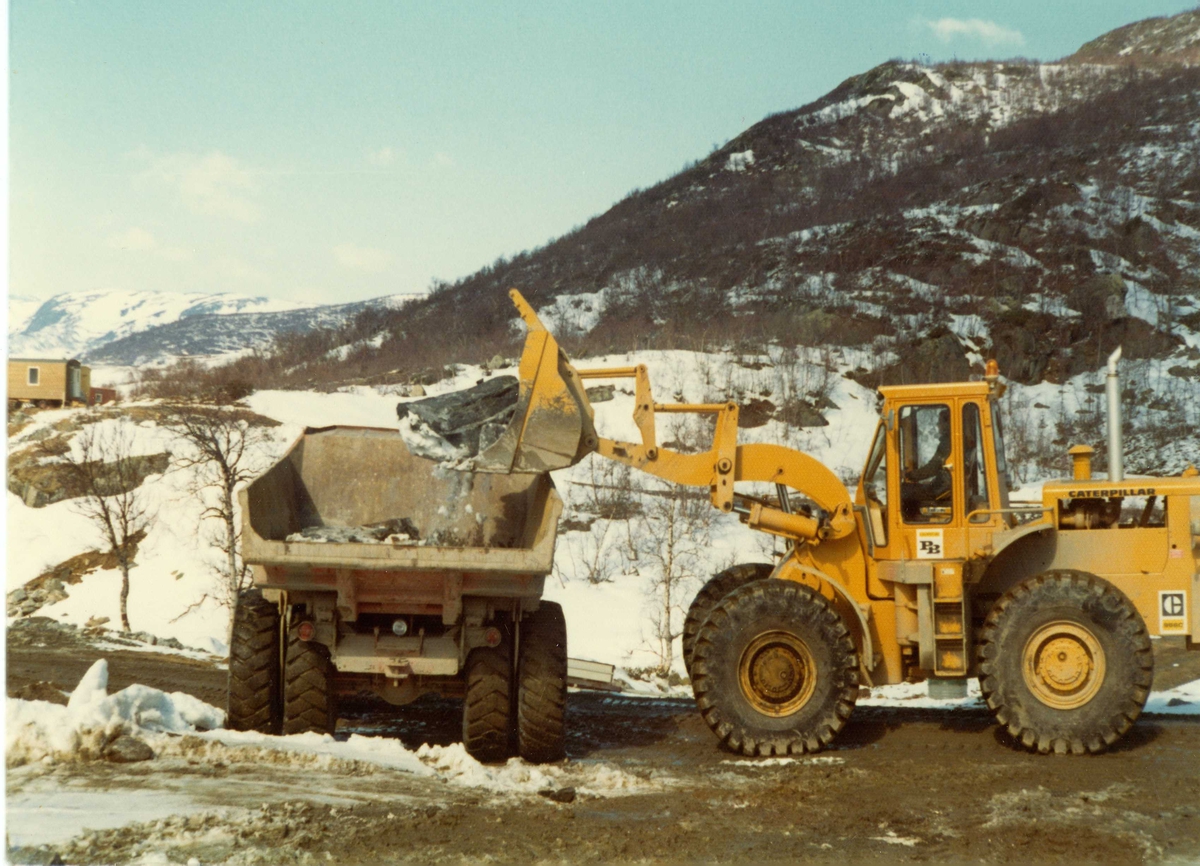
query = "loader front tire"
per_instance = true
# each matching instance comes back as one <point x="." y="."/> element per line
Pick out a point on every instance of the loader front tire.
<point x="254" y="694"/>
<point x="775" y="670"/>
<point x="719" y="586"/>
<point x="1065" y="663"/>
<point x="308" y="699"/>
<point x="487" y="709"/>
<point x="542" y="685"/>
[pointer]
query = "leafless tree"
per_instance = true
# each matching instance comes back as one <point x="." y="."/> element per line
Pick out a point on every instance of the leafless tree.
<point x="672" y="537"/>
<point x="109" y="475"/>
<point x="224" y="455"/>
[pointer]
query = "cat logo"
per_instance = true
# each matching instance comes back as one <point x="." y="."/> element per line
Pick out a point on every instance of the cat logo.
<point x="1172" y="612"/>
<point x="930" y="545"/>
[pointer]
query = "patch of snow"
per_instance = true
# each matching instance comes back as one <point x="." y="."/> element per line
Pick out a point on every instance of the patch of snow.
<point x="740" y="161"/>
<point x="1182" y="700"/>
<point x="574" y="315"/>
<point x="38" y="730"/>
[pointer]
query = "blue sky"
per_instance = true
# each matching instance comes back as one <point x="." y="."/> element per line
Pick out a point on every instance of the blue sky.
<point x="333" y="151"/>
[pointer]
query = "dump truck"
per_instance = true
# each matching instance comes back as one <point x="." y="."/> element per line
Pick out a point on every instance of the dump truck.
<point x="379" y="572"/>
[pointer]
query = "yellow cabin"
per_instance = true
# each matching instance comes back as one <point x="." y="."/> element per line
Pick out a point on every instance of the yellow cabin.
<point x="48" y="381"/>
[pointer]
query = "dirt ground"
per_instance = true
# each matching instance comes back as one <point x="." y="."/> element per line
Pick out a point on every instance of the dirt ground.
<point x="899" y="786"/>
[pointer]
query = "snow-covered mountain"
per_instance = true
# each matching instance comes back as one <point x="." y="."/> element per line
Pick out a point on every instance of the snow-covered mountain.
<point x="20" y="311"/>
<point x="139" y="327"/>
<point x="227" y="334"/>
<point x="73" y="323"/>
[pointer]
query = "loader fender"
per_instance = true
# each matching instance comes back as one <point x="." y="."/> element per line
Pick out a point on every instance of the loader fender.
<point x="1018" y="555"/>
<point x="791" y="570"/>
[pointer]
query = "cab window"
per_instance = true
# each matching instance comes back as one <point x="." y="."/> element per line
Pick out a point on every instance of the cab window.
<point x="975" y="489"/>
<point x="875" y="487"/>
<point x="925" y="444"/>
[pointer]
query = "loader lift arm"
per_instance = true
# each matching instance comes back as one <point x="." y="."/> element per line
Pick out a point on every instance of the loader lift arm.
<point x="553" y="398"/>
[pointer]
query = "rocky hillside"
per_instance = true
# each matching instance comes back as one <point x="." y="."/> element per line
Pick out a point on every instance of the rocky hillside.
<point x="928" y="215"/>
<point x="1171" y="40"/>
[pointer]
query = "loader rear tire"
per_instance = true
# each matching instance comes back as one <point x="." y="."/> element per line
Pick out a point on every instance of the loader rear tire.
<point x="719" y="586"/>
<point x="542" y="685"/>
<point x="1065" y="663"/>
<point x="308" y="699"/>
<point x="775" y="670"/>
<point x="255" y="699"/>
<point x="487" y="709"/>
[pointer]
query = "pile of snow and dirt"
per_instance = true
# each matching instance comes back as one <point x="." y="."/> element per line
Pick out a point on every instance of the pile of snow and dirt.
<point x="398" y="530"/>
<point x="139" y="723"/>
<point x="95" y="724"/>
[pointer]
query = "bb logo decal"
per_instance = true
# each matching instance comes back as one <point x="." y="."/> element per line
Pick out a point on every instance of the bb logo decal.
<point x="930" y="544"/>
<point x="1172" y="612"/>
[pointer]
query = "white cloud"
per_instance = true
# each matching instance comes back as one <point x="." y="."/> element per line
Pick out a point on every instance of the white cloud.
<point x="139" y="240"/>
<point x="358" y="258"/>
<point x="381" y="158"/>
<point x="215" y="183"/>
<point x="132" y="239"/>
<point x="987" y="32"/>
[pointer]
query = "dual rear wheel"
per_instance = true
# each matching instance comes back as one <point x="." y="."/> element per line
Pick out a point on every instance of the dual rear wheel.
<point x="521" y="711"/>
<point x="272" y="691"/>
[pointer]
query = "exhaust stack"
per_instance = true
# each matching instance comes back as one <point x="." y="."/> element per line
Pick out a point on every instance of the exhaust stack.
<point x="1116" y="459"/>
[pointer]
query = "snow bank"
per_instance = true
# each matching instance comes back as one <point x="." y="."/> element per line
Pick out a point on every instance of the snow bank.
<point x="450" y="764"/>
<point x="36" y="730"/>
<point x="1182" y="700"/>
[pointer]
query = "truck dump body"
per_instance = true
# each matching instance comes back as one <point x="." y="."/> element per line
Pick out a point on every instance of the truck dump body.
<point x="355" y="476"/>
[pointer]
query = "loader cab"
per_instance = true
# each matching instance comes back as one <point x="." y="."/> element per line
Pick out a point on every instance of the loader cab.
<point x="936" y="476"/>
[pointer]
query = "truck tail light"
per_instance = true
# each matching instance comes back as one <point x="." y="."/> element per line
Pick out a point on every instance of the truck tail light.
<point x="306" y="630"/>
<point x="491" y="637"/>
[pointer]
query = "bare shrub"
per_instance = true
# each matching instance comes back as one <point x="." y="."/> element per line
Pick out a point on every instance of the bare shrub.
<point x="103" y="465"/>
<point x="225" y="452"/>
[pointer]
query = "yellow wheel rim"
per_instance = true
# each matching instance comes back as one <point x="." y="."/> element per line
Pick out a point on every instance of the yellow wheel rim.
<point x="777" y="673"/>
<point x="1063" y="664"/>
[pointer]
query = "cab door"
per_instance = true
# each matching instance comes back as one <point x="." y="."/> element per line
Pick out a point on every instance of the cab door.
<point x="930" y="495"/>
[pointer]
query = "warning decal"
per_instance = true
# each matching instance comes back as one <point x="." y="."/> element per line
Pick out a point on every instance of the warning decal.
<point x="1172" y="611"/>
<point x="929" y="544"/>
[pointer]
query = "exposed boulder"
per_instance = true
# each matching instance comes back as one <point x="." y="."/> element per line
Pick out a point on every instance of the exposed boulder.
<point x="1101" y="298"/>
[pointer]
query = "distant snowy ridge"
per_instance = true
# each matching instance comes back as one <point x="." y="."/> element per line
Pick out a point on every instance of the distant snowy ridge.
<point x="128" y="327"/>
<point x="72" y="323"/>
<point x="215" y="335"/>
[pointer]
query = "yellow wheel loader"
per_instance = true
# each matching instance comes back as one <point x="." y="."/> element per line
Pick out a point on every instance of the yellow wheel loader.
<point x="929" y="572"/>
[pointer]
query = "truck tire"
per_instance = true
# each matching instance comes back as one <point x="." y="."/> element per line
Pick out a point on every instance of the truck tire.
<point x="254" y="693"/>
<point x="775" y="670"/>
<point x="487" y="710"/>
<point x="308" y="700"/>
<point x="1065" y="663"/>
<point x="719" y="586"/>
<point x="542" y="685"/>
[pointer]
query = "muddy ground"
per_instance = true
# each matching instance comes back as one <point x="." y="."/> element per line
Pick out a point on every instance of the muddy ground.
<point x="901" y="785"/>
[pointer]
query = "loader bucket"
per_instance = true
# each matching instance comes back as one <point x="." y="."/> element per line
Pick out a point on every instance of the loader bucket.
<point x="551" y="426"/>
